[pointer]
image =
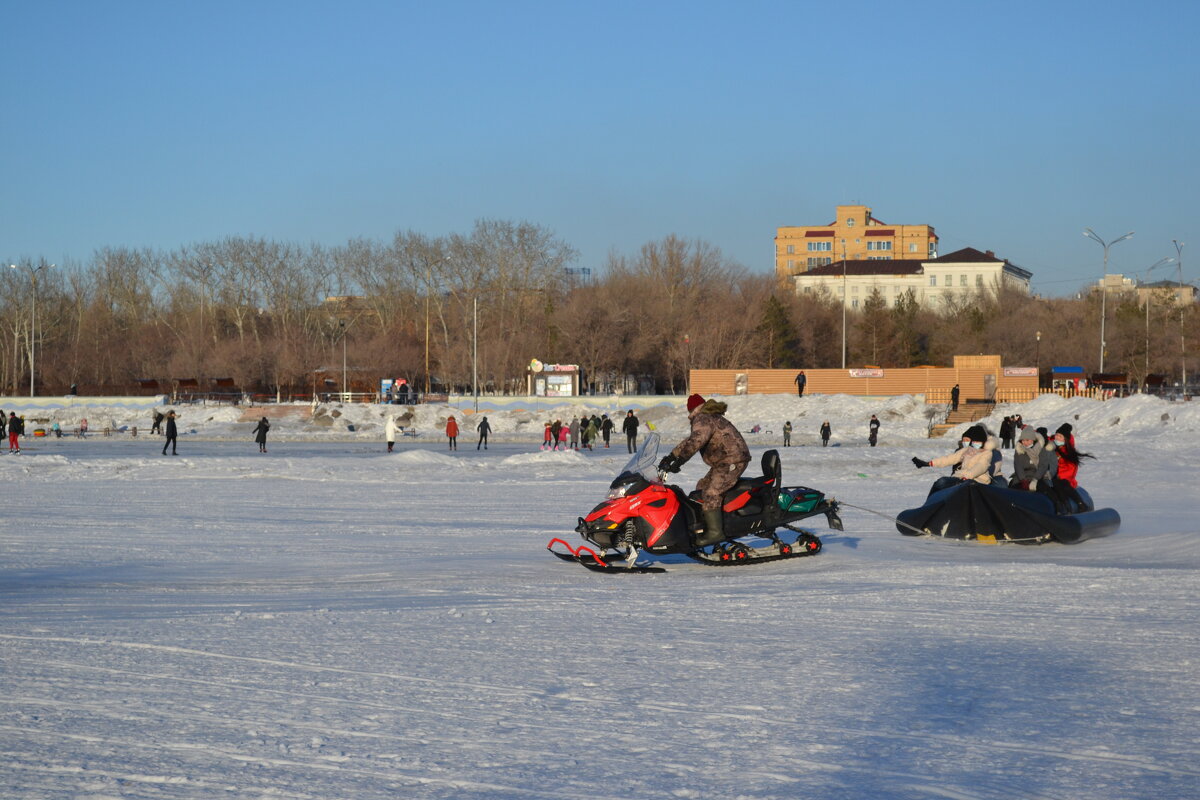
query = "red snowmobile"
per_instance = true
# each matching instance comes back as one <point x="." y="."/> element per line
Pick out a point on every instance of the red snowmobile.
<point x="644" y="515"/>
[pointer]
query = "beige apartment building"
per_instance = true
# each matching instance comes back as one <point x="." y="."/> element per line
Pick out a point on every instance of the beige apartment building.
<point x="856" y="235"/>
<point x="933" y="281"/>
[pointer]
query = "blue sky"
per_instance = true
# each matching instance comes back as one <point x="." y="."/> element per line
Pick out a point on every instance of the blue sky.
<point x="1008" y="127"/>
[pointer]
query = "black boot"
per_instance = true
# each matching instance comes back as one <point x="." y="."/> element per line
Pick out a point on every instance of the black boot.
<point x="714" y="528"/>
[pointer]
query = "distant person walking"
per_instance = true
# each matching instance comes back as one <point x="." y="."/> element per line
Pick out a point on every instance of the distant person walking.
<point x="547" y="438"/>
<point x="172" y="434"/>
<point x="1006" y="433"/>
<point x="484" y="429"/>
<point x="801" y="382"/>
<point x="156" y="421"/>
<point x="574" y="429"/>
<point x="787" y="433"/>
<point x="954" y="398"/>
<point x="873" y="437"/>
<point x="826" y="432"/>
<point x="452" y="432"/>
<point x="260" y="434"/>
<point x="606" y="428"/>
<point x="630" y="428"/>
<point x="16" y="426"/>
<point x="389" y="431"/>
<point x="563" y="432"/>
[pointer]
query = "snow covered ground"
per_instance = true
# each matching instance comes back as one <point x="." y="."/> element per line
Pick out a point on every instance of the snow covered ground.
<point x="331" y="621"/>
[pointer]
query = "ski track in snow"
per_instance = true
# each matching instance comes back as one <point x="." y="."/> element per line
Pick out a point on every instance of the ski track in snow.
<point x="330" y="622"/>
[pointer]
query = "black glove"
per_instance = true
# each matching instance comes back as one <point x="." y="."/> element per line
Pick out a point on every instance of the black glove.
<point x="669" y="464"/>
<point x="918" y="463"/>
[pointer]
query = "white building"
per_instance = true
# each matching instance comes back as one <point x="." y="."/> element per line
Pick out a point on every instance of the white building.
<point x="932" y="281"/>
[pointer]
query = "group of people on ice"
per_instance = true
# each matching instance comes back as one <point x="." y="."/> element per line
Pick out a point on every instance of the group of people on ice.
<point x="584" y="432"/>
<point x="1041" y="463"/>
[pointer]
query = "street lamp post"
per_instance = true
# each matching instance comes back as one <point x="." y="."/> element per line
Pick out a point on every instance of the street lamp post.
<point x="475" y="350"/>
<point x="1089" y="233"/>
<point x="345" y="394"/>
<point x="33" y="276"/>
<point x="1182" y="345"/>
<point x="1037" y="356"/>
<point x="1145" y="273"/>
<point x="844" y="301"/>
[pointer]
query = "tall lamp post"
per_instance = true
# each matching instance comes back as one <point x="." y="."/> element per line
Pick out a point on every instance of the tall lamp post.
<point x="1145" y="273"/>
<point x="1037" y="357"/>
<point x="1088" y="232"/>
<point x="844" y="301"/>
<point x="475" y="350"/>
<point x="33" y="276"/>
<point x="345" y="394"/>
<point x="1182" y="345"/>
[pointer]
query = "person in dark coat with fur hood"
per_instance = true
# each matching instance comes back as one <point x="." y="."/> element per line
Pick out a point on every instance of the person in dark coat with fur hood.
<point x="723" y="450"/>
<point x="1034" y="465"/>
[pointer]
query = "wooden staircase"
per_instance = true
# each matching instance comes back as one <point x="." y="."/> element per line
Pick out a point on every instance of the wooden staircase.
<point x="967" y="412"/>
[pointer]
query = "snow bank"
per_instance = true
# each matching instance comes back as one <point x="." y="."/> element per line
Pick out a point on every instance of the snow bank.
<point x="902" y="418"/>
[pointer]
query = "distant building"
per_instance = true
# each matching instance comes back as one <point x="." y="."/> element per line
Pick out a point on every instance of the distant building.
<point x="931" y="280"/>
<point x="1117" y="284"/>
<point x="1181" y="293"/>
<point x="856" y="235"/>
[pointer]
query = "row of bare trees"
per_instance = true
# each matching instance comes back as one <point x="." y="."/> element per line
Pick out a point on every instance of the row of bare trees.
<point x="270" y="315"/>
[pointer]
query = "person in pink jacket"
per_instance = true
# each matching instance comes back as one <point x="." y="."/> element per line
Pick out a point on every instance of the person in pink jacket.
<point x="978" y="459"/>
<point x="563" y="434"/>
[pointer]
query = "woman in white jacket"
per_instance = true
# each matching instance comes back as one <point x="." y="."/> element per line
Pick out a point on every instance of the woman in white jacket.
<point x="978" y="459"/>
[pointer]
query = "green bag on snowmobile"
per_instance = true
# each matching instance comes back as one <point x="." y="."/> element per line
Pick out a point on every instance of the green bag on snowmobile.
<point x="800" y="499"/>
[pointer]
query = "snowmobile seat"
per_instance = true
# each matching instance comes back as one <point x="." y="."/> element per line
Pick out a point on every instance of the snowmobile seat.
<point x="753" y="494"/>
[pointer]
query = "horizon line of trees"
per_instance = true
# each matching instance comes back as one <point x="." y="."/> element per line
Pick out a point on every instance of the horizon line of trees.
<point x="271" y="314"/>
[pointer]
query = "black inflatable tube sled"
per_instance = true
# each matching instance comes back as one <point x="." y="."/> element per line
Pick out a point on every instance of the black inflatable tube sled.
<point x="975" y="511"/>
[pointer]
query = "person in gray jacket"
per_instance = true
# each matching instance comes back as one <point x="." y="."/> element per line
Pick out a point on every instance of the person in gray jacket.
<point x="1034" y="465"/>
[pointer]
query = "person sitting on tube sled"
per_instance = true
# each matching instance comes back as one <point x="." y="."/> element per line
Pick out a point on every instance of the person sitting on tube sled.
<point x="1034" y="465"/>
<point x="978" y="460"/>
<point x="723" y="450"/>
<point x="1066" y="483"/>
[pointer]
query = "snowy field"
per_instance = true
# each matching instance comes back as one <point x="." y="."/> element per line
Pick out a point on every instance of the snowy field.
<point x="330" y="621"/>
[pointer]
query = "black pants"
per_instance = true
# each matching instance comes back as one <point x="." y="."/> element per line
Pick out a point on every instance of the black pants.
<point x="482" y="441"/>
<point x="1067" y="498"/>
<point x="171" y="442"/>
<point x="631" y="441"/>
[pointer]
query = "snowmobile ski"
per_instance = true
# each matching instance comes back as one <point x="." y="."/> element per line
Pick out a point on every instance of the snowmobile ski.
<point x="611" y="562"/>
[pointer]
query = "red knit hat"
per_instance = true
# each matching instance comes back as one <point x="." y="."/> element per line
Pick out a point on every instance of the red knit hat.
<point x="694" y="401"/>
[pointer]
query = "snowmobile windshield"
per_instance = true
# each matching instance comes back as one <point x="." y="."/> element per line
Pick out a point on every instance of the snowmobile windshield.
<point x="645" y="460"/>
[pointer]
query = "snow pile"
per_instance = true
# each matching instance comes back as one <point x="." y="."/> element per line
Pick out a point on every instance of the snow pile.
<point x="902" y="418"/>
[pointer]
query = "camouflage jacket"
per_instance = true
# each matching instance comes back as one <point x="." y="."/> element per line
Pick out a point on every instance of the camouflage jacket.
<point x="714" y="437"/>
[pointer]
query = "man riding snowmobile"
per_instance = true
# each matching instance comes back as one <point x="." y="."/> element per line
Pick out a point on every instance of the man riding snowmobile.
<point x="723" y="450"/>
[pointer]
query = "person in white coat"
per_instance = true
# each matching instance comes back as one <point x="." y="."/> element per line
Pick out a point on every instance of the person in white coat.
<point x="978" y="459"/>
<point x="389" y="430"/>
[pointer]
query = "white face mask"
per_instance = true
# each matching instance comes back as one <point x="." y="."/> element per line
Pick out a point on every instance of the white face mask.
<point x="966" y="442"/>
<point x="977" y="445"/>
<point x="1059" y="441"/>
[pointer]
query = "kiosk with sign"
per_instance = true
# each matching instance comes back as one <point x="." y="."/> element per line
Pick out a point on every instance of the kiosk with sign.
<point x="552" y="380"/>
